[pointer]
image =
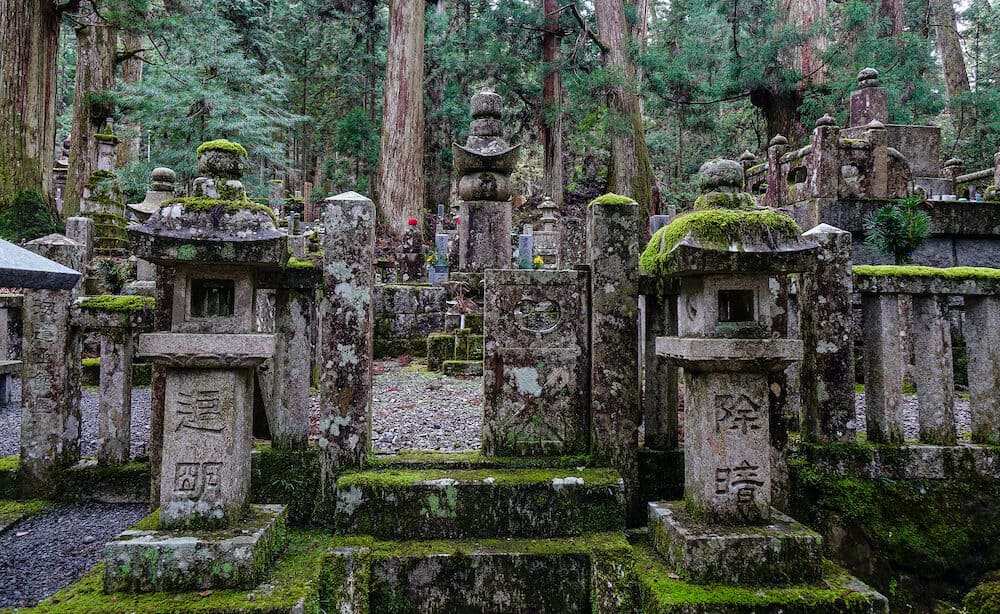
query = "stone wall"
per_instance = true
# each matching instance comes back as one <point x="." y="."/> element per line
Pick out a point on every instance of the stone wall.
<point x="405" y="315"/>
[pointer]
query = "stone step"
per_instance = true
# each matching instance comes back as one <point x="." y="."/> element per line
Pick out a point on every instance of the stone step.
<point x="782" y="552"/>
<point x="449" y="503"/>
<point x="462" y="367"/>
<point x="663" y="591"/>
<point x="581" y="574"/>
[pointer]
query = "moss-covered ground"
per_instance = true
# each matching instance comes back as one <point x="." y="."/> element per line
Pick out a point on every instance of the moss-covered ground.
<point x="117" y="303"/>
<point x="12" y="511"/>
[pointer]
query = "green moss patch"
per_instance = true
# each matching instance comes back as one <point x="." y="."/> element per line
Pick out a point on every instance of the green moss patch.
<point x="109" y="302"/>
<point x="958" y="272"/>
<point x="985" y="598"/>
<point x="14" y="511"/>
<point x="89" y="482"/>
<point x="719" y="229"/>
<point x="402" y="477"/>
<point x="295" y="577"/>
<point x="203" y="204"/>
<point x="421" y="459"/>
<point x="295" y="263"/>
<point x="222" y="145"/>
<point x="612" y="199"/>
<point x="289" y="477"/>
<point x="662" y="591"/>
<point x="724" y="200"/>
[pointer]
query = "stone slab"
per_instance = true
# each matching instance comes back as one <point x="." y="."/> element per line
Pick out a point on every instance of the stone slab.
<point x="782" y="552"/>
<point x="20" y="268"/>
<point x="729" y="354"/>
<point x="142" y="561"/>
<point x="462" y="367"/>
<point x="195" y="350"/>
<point x="439" y="504"/>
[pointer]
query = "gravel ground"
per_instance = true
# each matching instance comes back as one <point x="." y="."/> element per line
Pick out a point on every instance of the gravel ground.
<point x="42" y="554"/>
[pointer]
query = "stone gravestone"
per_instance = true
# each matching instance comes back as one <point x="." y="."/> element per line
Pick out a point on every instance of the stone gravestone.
<point x="209" y="356"/>
<point x="536" y="363"/>
<point x="438" y="272"/>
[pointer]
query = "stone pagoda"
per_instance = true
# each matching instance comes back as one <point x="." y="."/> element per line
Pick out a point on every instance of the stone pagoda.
<point x="484" y="165"/>
<point x="216" y="242"/>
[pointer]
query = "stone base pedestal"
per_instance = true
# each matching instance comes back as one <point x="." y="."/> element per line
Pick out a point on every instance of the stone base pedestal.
<point x="782" y="552"/>
<point x="152" y="561"/>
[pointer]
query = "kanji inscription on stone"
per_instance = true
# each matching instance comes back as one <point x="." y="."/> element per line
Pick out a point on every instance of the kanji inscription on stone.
<point x="736" y="413"/>
<point x="200" y="410"/>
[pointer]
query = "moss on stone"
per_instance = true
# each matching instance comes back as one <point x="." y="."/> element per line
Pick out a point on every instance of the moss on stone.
<point x="107" y="136"/>
<point x="724" y="200"/>
<point x="423" y="459"/>
<point x="116" y="303"/>
<point x="295" y="263"/>
<point x="959" y="272"/>
<point x="294" y="578"/>
<point x="86" y="482"/>
<point x="222" y="145"/>
<point x="393" y="478"/>
<point x="289" y="477"/>
<point x="662" y="591"/>
<point x="203" y="204"/>
<point x="612" y="199"/>
<point x="9" y="463"/>
<point x="719" y="229"/>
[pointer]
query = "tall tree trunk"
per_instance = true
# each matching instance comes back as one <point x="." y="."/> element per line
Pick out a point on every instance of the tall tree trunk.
<point x="894" y="14"/>
<point x="631" y="174"/>
<point x="807" y="17"/>
<point x="29" y="43"/>
<point x="956" y="76"/>
<point x="400" y="189"/>
<point x="132" y="43"/>
<point x="95" y="80"/>
<point x="551" y="115"/>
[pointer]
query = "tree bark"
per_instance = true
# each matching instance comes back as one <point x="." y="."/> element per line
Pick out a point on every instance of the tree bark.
<point x="956" y="76"/>
<point x="29" y="43"/>
<point x="130" y="147"/>
<point x="551" y="115"/>
<point x="400" y="189"/>
<point x="631" y="174"/>
<point x="95" y="79"/>
<point x="893" y="12"/>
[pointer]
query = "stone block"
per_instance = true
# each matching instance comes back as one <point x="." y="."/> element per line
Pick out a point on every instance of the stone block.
<point x="462" y="367"/>
<point x="443" y="504"/>
<point x="142" y="561"/>
<point x="782" y="552"/>
<point x="440" y="347"/>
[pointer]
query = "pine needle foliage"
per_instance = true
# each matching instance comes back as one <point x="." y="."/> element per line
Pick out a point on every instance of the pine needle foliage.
<point x="897" y="230"/>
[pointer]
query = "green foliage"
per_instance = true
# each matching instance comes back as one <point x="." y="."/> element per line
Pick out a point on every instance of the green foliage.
<point x="113" y="274"/>
<point x="27" y="216"/>
<point x="897" y="230"/>
<point x="108" y="302"/>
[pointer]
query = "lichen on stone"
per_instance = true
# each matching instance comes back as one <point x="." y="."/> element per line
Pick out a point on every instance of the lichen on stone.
<point x="222" y="145"/>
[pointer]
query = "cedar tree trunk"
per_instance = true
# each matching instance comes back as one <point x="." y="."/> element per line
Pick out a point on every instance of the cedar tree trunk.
<point x="551" y="116"/>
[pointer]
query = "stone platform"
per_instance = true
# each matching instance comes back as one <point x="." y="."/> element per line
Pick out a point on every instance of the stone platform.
<point x="662" y="591"/>
<point x="143" y="561"/>
<point x="584" y="574"/>
<point x="781" y="553"/>
<point x="463" y="503"/>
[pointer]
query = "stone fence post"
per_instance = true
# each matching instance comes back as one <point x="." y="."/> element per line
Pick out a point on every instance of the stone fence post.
<point x="777" y="188"/>
<point x="347" y="335"/>
<point x="613" y="245"/>
<point x="884" y="364"/>
<point x="933" y="362"/>
<point x="50" y="378"/>
<point x="982" y="342"/>
<point x="827" y="333"/>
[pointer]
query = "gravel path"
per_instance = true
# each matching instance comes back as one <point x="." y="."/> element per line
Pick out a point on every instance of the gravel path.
<point x="42" y="554"/>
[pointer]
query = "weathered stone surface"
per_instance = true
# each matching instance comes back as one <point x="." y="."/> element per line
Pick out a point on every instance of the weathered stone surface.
<point x="462" y="367"/>
<point x="613" y="245"/>
<point x="783" y="552"/>
<point x="346" y="331"/>
<point x="660" y="390"/>
<point x="934" y="375"/>
<point x="883" y="363"/>
<point x="288" y="412"/>
<point x="8" y="370"/>
<point x="206" y="449"/>
<point x="536" y="363"/>
<point x="141" y="561"/>
<point x="40" y="266"/>
<point x="982" y="344"/>
<point x="114" y="405"/>
<point x="869" y="104"/>
<point x="50" y="378"/>
<point x="446" y="504"/>
<point x="10" y="326"/>
<point x="484" y="235"/>
<point x="188" y="350"/>
<point x="827" y="334"/>
<point x="81" y="230"/>
<point x="572" y="242"/>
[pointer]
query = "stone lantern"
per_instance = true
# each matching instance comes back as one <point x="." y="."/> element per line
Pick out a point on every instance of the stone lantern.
<point x="215" y="246"/>
<point x="726" y="260"/>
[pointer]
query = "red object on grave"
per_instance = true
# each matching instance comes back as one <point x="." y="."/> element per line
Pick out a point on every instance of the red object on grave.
<point x="412" y="221"/>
